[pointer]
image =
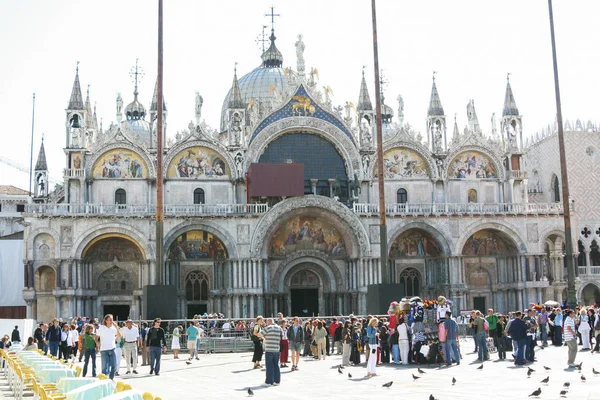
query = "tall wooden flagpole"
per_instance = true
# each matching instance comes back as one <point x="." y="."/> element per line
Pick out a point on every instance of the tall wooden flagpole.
<point x="569" y="262"/>
<point x="159" y="154"/>
<point x="385" y="273"/>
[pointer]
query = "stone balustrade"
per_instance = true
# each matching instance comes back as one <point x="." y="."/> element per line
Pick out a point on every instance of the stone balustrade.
<point x="589" y="271"/>
<point x="74" y="173"/>
<point x="461" y="209"/>
<point x="517" y="174"/>
<point x="183" y="210"/>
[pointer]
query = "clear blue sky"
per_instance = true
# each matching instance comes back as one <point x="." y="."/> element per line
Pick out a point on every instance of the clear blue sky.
<point x="472" y="44"/>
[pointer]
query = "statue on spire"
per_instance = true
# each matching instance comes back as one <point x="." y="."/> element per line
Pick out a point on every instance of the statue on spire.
<point x="300" y="66"/>
<point x="119" y="107"/>
<point x="199" y="101"/>
<point x="400" y="111"/>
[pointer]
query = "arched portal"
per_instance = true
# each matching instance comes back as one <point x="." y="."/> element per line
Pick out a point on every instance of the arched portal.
<point x="117" y="263"/>
<point x="490" y="257"/>
<point x="590" y="294"/>
<point x="418" y="263"/>
<point x="308" y="284"/>
<point x="304" y="292"/>
<point x="196" y="263"/>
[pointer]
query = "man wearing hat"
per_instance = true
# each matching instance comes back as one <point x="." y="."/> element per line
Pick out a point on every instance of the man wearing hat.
<point x="131" y="335"/>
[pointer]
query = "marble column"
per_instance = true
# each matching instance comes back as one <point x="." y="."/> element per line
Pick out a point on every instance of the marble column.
<point x="251" y="312"/>
<point x="29" y="312"/>
<point x="229" y="307"/>
<point x="71" y="306"/>
<point x="58" y="308"/>
<point x="260" y="308"/>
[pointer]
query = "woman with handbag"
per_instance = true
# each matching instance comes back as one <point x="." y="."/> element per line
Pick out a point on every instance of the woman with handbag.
<point x="356" y="346"/>
<point x="373" y="339"/>
<point x="257" y="338"/>
<point x="320" y="335"/>
<point x="346" y="344"/>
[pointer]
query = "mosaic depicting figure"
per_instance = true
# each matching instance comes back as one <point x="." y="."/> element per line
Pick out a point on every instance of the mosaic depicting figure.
<point x="472" y="165"/>
<point x="307" y="233"/>
<point x="110" y="248"/>
<point x="485" y="243"/>
<point x="197" y="162"/>
<point x="415" y="243"/>
<point x="196" y="245"/>
<point x="403" y="163"/>
<point x="120" y="163"/>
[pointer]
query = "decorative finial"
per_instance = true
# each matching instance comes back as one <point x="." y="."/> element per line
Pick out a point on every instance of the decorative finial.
<point x="77" y="68"/>
<point x="363" y="70"/>
<point x="507" y="77"/>
<point x="88" y="90"/>
<point x="235" y="64"/>
<point x="261" y="39"/>
<point x="272" y="15"/>
<point x="433" y="75"/>
<point x="42" y="137"/>
<point x="136" y="73"/>
<point x="454" y="117"/>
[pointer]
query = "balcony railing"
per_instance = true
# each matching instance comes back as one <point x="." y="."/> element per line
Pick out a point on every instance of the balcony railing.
<point x="461" y="209"/>
<point x="518" y="174"/>
<point x="146" y="209"/>
<point x="74" y="173"/>
<point x="588" y="271"/>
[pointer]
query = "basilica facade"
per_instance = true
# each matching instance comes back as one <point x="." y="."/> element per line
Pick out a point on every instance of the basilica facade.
<point x="473" y="216"/>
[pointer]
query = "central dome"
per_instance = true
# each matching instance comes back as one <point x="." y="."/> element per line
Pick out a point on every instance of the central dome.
<point x="257" y="85"/>
<point x="261" y="83"/>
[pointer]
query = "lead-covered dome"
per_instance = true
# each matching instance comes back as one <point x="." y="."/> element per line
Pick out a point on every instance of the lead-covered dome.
<point x="261" y="83"/>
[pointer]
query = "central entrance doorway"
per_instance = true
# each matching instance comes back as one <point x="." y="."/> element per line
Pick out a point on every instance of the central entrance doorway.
<point x="305" y="302"/>
<point x="304" y="293"/>
<point x="120" y="312"/>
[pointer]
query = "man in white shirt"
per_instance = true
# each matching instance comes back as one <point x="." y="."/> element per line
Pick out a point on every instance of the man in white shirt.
<point x="106" y="335"/>
<point x="131" y="335"/>
<point x="226" y="328"/>
<point x="570" y="337"/>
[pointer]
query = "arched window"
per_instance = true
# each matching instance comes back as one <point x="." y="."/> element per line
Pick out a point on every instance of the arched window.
<point x="581" y="261"/>
<point x="196" y="286"/>
<point x="594" y="254"/>
<point x="556" y="187"/>
<point x="199" y="196"/>
<point x="401" y="196"/>
<point x="472" y="196"/>
<point x="409" y="279"/>
<point x="121" y="196"/>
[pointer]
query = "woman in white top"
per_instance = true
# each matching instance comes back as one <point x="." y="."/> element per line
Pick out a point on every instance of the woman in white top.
<point x="584" y="329"/>
<point x="175" y="341"/>
<point x="403" y="342"/>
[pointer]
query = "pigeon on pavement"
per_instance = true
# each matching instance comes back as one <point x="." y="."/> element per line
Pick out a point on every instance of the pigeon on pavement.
<point x="420" y="371"/>
<point x="563" y="393"/>
<point x="453" y="381"/>
<point x="529" y="373"/>
<point x="416" y="377"/>
<point x="480" y="367"/>
<point x="536" y="393"/>
<point x="546" y="380"/>
<point x="566" y="384"/>
<point x="339" y="370"/>
<point x="595" y="372"/>
<point x="547" y="368"/>
<point x="250" y="392"/>
<point x="387" y="385"/>
<point x="349" y="375"/>
<point x="579" y="366"/>
<point x="529" y="369"/>
<point x="582" y="378"/>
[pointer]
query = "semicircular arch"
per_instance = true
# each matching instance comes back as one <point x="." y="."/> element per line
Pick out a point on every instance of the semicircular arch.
<point x="421" y="152"/>
<point x="206" y="226"/>
<point x="342" y="218"/>
<point x="327" y="272"/>
<point x="498" y="168"/>
<point x="135" y="153"/>
<point x="92" y="235"/>
<point x="215" y="148"/>
<point x="436" y="234"/>
<point x="342" y="143"/>
<point x="506" y="231"/>
<point x="35" y="233"/>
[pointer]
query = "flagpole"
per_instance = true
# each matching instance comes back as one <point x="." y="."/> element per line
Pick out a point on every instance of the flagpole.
<point x="569" y="262"/>
<point x="385" y="273"/>
<point x="159" y="153"/>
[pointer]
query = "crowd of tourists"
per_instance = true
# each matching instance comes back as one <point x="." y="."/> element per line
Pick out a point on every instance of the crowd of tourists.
<point x="282" y="341"/>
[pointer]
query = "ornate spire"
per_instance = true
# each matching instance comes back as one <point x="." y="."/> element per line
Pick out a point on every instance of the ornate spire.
<point x="456" y="132"/>
<point x="272" y="57"/>
<point x="76" y="100"/>
<point x="235" y="100"/>
<point x="41" y="164"/>
<point x="510" y="106"/>
<point x="364" y="100"/>
<point x="154" y="105"/>
<point x="435" y="104"/>
<point x="88" y="109"/>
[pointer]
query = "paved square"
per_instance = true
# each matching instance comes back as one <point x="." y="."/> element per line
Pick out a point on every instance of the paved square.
<point x="221" y="376"/>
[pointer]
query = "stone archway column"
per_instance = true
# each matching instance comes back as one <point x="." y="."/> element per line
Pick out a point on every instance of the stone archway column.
<point x="29" y="313"/>
<point x="260" y="305"/>
<point x="251" y="312"/>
